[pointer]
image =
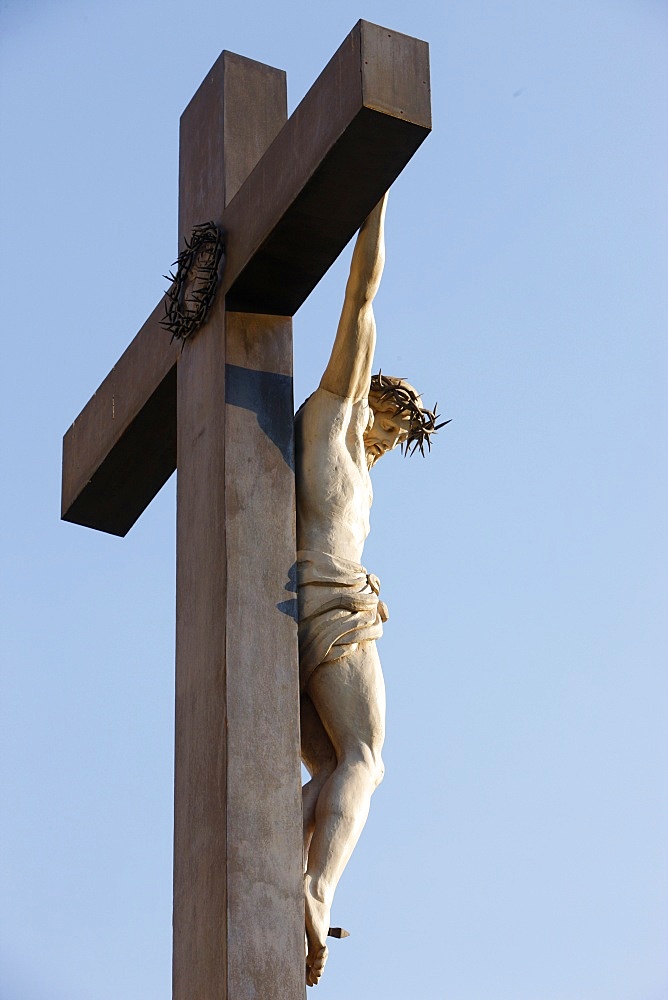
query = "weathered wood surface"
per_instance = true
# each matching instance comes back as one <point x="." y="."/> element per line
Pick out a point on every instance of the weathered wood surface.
<point x="326" y="168"/>
<point x="346" y="142"/>
<point x="238" y="892"/>
<point x="121" y="449"/>
<point x="265" y="882"/>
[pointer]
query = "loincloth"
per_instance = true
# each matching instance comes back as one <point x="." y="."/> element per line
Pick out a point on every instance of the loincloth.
<point x="338" y="608"/>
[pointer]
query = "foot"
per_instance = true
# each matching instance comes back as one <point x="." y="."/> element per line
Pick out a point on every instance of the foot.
<point x="315" y="969"/>
<point x="317" y="925"/>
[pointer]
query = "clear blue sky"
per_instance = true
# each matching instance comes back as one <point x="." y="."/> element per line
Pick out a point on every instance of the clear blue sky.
<point x="517" y="848"/>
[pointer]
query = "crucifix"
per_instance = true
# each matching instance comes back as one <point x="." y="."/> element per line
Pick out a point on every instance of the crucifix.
<point x="287" y="195"/>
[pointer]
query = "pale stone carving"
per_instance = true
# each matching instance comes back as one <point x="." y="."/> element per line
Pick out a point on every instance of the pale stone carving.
<point x="348" y="423"/>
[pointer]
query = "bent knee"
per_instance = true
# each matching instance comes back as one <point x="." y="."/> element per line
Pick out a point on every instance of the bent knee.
<point x="377" y="770"/>
<point x="366" y="759"/>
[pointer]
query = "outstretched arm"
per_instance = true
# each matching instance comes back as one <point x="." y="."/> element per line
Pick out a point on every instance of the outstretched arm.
<point x="348" y="372"/>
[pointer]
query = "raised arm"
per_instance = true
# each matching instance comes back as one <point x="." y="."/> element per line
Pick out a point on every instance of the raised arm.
<point x="348" y="372"/>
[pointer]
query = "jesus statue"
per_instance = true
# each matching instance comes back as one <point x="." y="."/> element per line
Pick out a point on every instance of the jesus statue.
<point x="341" y="431"/>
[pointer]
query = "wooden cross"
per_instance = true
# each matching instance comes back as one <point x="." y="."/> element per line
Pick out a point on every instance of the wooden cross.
<point x="288" y="196"/>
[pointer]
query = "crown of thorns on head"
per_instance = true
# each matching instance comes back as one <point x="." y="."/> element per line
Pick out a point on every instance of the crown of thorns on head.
<point x="194" y="285"/>
<point x="404" y="400"/>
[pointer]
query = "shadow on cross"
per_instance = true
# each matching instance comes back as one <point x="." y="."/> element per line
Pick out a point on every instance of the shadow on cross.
<point x="289" y="607"/>
<point x="269" y="396"/>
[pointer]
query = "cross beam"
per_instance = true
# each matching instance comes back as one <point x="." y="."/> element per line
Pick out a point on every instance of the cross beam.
<point x="288" y="195"/>
<point x="287" y="222"/>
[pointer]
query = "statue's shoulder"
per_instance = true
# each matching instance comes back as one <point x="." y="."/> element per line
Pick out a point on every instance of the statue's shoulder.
<point x="332" y="410"/>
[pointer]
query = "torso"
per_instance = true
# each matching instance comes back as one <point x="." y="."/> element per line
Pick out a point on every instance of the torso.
<point x="334" y="492"/>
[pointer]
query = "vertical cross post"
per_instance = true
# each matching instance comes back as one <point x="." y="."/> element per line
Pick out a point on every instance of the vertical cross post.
<point x="238" y="892"/>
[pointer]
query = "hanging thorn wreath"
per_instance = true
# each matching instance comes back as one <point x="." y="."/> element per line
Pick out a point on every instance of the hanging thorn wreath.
<point x="193" y="289"/>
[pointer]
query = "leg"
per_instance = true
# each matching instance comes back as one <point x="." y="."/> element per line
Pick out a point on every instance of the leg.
<point x="349" y="697"/>
<point x="320" y="760"/>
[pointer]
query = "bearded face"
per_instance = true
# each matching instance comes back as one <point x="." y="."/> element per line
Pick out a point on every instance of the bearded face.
<point x="387" y="429"/>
